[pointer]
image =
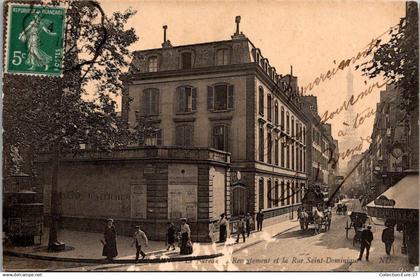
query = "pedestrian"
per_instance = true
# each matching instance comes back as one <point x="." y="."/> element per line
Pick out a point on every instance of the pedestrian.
<point x="186" y="244"/>
<point x="110" y="241"/>
<point x="388" y="238"/>
<point x="222" y="228"/>
<point x="140" y="239"/>
<point x="260" y="219"/>
<point x="170" y="236"/>
<point x="248" y="223"/>
<point x="366" y="240"/>
<point x="240" y="226"/>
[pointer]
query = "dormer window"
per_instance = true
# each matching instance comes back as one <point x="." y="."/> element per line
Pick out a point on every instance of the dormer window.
<point x="152" y="64"/>
<point x="223" y="57"/>
<point x="186" y="60"/>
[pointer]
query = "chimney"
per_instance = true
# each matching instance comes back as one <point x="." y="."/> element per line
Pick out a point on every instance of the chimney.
<point x="237" y="34"/>
<point x="166" y="42"/>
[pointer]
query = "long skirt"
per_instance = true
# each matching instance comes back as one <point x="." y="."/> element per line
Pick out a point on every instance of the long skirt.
<point x="222" y="233"/>
<point x="184" y="244"/>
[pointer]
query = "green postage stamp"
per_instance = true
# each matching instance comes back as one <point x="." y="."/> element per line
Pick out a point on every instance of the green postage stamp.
<point x="35" y="39"/>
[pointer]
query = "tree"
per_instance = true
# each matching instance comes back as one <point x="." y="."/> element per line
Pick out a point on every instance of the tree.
<point x="59" y="114"/>
<point x="397" y="60"/>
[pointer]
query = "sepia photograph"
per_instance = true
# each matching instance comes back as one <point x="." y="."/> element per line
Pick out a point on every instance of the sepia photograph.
<point x="210" y="136"/>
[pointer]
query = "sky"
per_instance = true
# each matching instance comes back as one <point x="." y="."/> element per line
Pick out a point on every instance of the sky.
<point x="309" y="35"/>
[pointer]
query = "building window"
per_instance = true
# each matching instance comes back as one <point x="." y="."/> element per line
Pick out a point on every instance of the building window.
<point x="287" y="123"/>
<point x="220" y="137"/>
<point x="220" y="97"/>
<point x="276" y="193"/>
<point x="276" y="114"/>
<point x="269" y="115"/>
<point x="293" y="192"/>
<point x="261" y="100"/>
<point x="288" y="156"/>
<point x="288" y="193"/>
<point x="282" y="194"/>
<point x="261" y="194"/>
<point x="282" y="118"/>
<point x="293" y="156"/>
<point x="150" y="101"/>
<point x="184" y="135"/>
<point x="269" y="148"/>
<point x="304" y="161"/>
<point x="186" y="99"/>
<point x="300" y="133"/>
<point x="276" y="152"/>
<point x="261" y="142"/>
<point x="293" y="126"/>
<point x="304" y="135"/>
<point x="186" y="60"/>
<point x="269" y="194"/>
<point x="154" y="139"/>
<point x="283" y="151"/>
<point x="152" y="64"/>
<point x="222" y="57"/>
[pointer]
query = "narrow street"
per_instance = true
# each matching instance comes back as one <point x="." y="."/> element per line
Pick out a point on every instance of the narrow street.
<point x="291" y="250"/>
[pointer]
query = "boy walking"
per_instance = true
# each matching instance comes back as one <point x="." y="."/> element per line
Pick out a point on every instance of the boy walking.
<point x="140" y="240"/>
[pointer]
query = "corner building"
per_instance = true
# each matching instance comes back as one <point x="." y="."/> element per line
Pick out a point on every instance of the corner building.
<point x="225" y="95"/>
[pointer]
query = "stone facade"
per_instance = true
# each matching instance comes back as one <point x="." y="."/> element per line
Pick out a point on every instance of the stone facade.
<point x="181" y="91"/>
<point x="146" y="186"/>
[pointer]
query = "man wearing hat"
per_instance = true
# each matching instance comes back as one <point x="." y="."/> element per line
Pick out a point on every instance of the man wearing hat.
<point x="366" y="240"/>
<point x="140" y="239"/>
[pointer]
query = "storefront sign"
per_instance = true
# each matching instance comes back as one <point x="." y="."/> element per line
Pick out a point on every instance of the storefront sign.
<point x="395" y="214"/>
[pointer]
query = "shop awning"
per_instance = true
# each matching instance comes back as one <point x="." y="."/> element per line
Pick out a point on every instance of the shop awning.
<point x="399" y="202"/>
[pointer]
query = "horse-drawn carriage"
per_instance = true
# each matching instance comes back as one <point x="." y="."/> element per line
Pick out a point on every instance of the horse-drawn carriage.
<point x="357" y="222"/>
<point x="314" y="211"/>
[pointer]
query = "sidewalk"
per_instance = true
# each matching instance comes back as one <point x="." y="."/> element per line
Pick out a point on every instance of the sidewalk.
<point x="378" y="260"/>
<point x="85" y="247"/>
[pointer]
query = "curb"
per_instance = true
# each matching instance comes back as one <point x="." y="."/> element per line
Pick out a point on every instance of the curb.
<point x="104" y="261"/>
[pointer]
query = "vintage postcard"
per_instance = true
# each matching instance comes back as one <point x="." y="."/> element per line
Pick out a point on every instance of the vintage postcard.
<point x="185" y="135"/>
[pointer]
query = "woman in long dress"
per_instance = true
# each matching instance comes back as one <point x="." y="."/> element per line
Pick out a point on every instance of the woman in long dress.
<point x="110" y="244"/>
<point x="222" y="228"/>
<point x="31" y="35"/>
<point x="185" y="238"/>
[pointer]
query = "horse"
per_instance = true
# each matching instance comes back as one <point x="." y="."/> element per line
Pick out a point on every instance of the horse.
<point x="303" y="220"/>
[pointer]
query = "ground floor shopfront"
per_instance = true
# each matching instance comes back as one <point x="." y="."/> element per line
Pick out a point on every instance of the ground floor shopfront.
<point x="399" y="206"/>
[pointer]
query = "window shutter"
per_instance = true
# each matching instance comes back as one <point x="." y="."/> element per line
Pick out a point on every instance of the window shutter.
<point x="178" y="135"/>
<point x="210" y="98"/>
<point x="159" y="137"/>
<point x="181" y="99"/>
<point x="230" y="97"/>
<point x="194" y="99"/>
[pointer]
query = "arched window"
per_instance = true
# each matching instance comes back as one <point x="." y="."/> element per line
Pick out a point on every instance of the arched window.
<point x="220" y="97"/>
<point x="282" y="118"/>
<point x="276" y="151"/>
<point x="269" y="147"/>
<point x="261" y="142"/>
<point x="186" y="99"/>
<point x="276" y="113"/>
<point x="293" y="126"/>
<point x="261" y="100"/>
<point x="269" y="105"/>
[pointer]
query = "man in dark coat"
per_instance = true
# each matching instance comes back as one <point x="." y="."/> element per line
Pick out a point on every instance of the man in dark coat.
<point x="110" y="241"/>
<point x="171" y="236"/>
<point x="260" y="218"/>
<point x="222" y="228"/>
<point x="240" y="228"/>
<point x="366" y="240"/>
<point x="388" y="238"/>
